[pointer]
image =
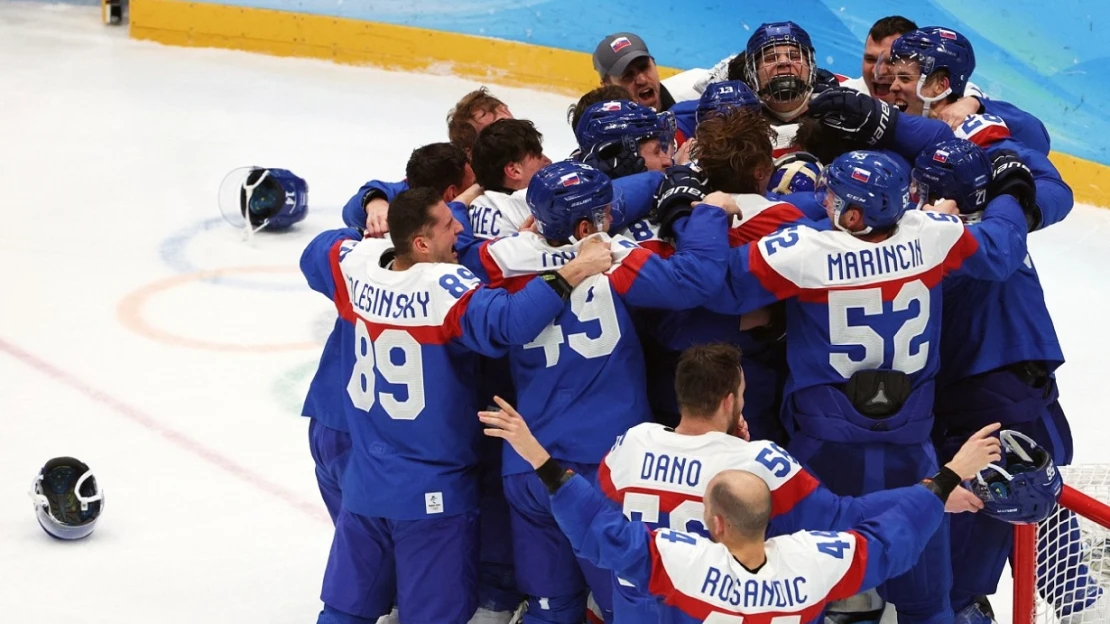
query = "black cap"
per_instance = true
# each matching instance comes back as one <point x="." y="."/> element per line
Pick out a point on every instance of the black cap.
<point x="617" y="51"/>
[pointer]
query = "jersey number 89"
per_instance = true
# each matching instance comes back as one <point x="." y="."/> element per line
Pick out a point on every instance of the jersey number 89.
<point x="382" y="355"/>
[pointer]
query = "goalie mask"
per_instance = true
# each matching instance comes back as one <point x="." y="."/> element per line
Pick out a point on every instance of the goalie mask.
<point x="1025" y="487"/>
<point x="67" y="498"/>
<point x="254" y="198"/>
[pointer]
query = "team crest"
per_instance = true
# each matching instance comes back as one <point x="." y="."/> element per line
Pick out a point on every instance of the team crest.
<point x="620" y="43"/>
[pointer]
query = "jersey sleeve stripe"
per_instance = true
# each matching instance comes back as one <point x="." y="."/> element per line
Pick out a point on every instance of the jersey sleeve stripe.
<point x="785" y="497"/>
<point x="768" y="277"/>
<point x="851" y="584"/>
<point x="624" y="275"/>
<point x="342" y="298"/>
<point x="766" y="222"/>
<point x="990" y="135"/>
<point x="661" y="248"/>
<point x="496" y="276"/>
<point x="429" y="334"/>
<point x="605" y="482"/>
<point x="964" y="248"/>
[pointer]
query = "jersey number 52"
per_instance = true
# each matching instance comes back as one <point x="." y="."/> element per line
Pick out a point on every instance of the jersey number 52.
<point x="847" y="308"/>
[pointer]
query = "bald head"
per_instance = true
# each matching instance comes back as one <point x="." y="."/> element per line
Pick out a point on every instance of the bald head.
<point x="742" y="500"/>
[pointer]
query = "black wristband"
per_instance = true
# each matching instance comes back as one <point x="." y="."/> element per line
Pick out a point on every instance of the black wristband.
<point x="943" y="483"/>
<point x="553" y="475"/>
<point x="558" y="284"/>
<point x="371" y="195"/>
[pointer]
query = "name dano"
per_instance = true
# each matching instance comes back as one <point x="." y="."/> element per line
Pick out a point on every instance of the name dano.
<point x="884" y="259"/>
<point x="385" y="303"/>
<point x="748" y="594"/>
<point x="676" y="470"/>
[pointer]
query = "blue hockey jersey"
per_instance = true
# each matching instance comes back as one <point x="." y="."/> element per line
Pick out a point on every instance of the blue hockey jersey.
<point x="582" y="380"/>
<point x="700" y="581"/>
<point x="409" y="346"/>
<point x="1025" y="127"/>
<point x="354" y="211"/>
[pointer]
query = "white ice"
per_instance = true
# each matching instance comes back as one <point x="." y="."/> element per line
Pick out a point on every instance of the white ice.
<point x="140" y="334"/>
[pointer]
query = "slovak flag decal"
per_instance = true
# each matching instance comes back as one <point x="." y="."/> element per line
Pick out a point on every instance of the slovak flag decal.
<point x="860" y="175"/>
<point x="946" y="34"/>
<point x="620" y="43"/>
<point x="941" y="156"/>
<point x="611" y="106"/>
<point x="569" y="180"/>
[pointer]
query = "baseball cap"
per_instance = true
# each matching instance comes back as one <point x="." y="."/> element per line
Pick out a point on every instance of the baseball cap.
<point x="617" y="51"/>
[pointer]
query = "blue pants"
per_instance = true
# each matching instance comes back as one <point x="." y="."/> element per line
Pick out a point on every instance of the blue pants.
<point x="854" y="455"/>
<point x="497" y="589"/>
<point x="764" y="378"/>
<point x="547" y="571"/>
<point x="981" y="544"/>
<point x="429" y="566"/>
<point x="330" y="450"/>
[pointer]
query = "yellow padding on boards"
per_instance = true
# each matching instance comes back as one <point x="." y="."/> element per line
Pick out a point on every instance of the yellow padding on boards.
<point x="405" y="48"/>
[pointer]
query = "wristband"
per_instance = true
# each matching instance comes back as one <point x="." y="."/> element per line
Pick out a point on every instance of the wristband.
<point x="553" y="475"/>
<point x="942" y="483"/>
<point x="371" y="195"/>
<point x="558" y="284"/>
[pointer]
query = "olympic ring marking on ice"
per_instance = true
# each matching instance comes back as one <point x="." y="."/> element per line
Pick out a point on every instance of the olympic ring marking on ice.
<point x="130" y="313"/>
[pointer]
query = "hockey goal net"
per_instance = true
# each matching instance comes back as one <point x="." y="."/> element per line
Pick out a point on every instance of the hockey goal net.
<point x="1062" y="565"/>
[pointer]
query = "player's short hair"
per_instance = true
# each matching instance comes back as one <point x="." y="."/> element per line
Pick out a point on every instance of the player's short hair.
<point x="748" y="513"/>
<point x="736" y="70"/>
<point x="890" y="25"/>
<point x="825" y="144"/>
<point x="436" y="165"/>
<point x="460" y="119"/>
<point x="410" y="213"/>
<point x="705" y="375"/>
<point x="604" y="93"/>
<point x="731" y="147"/>
<point x="500" y="143"/>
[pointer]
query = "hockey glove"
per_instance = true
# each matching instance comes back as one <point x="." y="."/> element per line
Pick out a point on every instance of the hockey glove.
<point x="859" y="116"/>
<point x="614" y="159"/>
<point x="681" y="187"/>
<point x="1010" y="176"/>
<point x="824" y="81"/>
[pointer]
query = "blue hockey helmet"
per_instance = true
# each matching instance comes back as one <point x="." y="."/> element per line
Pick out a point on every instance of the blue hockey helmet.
<point x="935" y="48"/>
<point x="719" y="97"/>
<point x="873" y="182"/>
<point x="67" y="498"/>
<point x="785" y="87"/>
<point x="565" y="193"/>
<point x="625" y="121"/>
<point x="955" y="169"/>
<point x="795" y="172"/>
<point x="257" y="198"/>
<point x="1024" y="489"/>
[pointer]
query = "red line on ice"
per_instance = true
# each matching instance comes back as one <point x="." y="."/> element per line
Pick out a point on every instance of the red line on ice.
<point x="178" y="439"/>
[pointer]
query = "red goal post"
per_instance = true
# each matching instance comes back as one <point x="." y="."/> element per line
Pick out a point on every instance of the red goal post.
<point x="1062" y="565"/>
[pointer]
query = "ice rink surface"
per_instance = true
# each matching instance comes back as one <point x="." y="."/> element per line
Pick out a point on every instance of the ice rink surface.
<point x="139" y="333"/>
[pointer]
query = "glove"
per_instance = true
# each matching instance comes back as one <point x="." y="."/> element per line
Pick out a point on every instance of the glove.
<point x="1010" y="176"/>
<point x="681" y="186"/>
<point x="824" y="81"/>
<point x="614" y="159"/>
<point x="852" y="113"/>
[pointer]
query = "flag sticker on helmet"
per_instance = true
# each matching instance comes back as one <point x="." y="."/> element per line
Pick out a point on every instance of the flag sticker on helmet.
<point x="946" y="34"/>
<point x="620" y="43"/>
<point x="611" y="106"/>
<point x="570" y="179"/>
<point x="860" y="175"/>
<point x="940" y="156"/>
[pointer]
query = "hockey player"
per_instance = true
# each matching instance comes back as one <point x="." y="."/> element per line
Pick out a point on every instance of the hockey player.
<point x="658" y="475"/>
<point x="740" y="575"/>
<point x="931" y="68"/>
<point x="583" y="376"/>
<point x="779" y="65"/>
<point x="471" y="115"/>
<point x="859" y="411"/>
<point x="409" y="491"/>
<point x="620" y="138"/>
<point x="999" y="353"/>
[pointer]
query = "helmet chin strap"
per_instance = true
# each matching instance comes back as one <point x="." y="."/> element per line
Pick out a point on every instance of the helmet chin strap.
<point x="836" y="223"/>
<point x="927" y="102"/>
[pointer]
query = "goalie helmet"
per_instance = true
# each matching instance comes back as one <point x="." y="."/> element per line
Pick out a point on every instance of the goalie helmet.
<point x="67" y="498"/>
<point x="1023" y="487"/>
<point x="255" y="198"/>
<point x="795" y="172"/>
<point x="780" y="87"/>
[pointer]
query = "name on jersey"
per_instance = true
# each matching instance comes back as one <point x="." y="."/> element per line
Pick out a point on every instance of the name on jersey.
<point x="484" y="221"/>
<point x="385" y="303"/>
<point x="884" y="259"/>
<point x="672" y="469"/>
<point x="780" y="593"/>
<point x="557" y="258"/>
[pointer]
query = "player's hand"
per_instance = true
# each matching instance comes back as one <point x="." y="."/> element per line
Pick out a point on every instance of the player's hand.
<point x="855" y="114"/>
<point x="594" y="257"/>
<point x="982" y="448"/>
<point x="529" y="225"/>
<point x="742" y="430"/>
<point x="944" y="206"/>
<point x="508" y="425"/>
<point x="1010" y="176"/>
<point x="961" y="499"/>
<point x="956" y="113"/>
<point x="722" y="200"/>
<point x="376" y="224"/>
<point x="468" y="196"/>
<point x="682" y="156"/>
<point x="680" y="189"/>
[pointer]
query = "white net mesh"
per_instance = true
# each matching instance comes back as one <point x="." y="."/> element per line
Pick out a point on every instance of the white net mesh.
<point x="1073" y="557"/>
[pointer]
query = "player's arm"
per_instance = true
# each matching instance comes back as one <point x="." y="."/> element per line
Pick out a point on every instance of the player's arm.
<point x="355" y="210"/>
<point x="993" y="248"/>
<point x="1024" y="126"/>
<point x="751" y="281"/>
<point x="1053" y="196"/>
<point x="688" y="278"/>
<point x="638" y="198"/>
<point x="320" y="259"/>
<point x="807" y="203"/>
<point x="914" y="133"/>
